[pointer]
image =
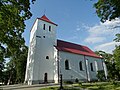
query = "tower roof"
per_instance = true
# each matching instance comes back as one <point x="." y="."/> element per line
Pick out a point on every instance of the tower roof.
<point x="44" y="18"/>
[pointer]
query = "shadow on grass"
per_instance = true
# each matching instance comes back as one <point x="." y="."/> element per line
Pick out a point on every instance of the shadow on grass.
<point x="90" y="86"/>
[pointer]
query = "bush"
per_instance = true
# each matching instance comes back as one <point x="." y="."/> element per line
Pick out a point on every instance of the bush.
<point x="68" y="82"/>
<point x="80" y="83"/>
<point x="76" y="80"/>
<point x="101" y="75"/>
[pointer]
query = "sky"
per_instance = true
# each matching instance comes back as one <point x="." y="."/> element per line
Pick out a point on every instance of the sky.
<point x="77" y="22"/>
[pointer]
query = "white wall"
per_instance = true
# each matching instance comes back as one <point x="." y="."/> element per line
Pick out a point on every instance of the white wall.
<point x="31" y="54"/>
<point x="41" y="45"/>
<point x="44" y="47"/>
<point x="75" y="71"/>
<point x="94" y="61"/>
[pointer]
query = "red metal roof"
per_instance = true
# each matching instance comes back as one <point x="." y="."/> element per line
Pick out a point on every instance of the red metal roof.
<point x="75" y="48"/>
<point x="44" y="18"/>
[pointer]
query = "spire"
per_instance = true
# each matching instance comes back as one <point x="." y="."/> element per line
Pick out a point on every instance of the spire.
<point x="44" y="18"/>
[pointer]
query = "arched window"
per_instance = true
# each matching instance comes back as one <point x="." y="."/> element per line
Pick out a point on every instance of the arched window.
<point x="80" y="65"/>
<point x="91" y="65"/>
<point x="66" y="65"/>
<point x="43" y="36"/>
<point x="43" y="26"/>
<point x="47" y="57"/>
<point x="49" y="28"/>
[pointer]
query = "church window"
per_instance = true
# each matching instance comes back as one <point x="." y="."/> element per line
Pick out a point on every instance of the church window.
<point x="49" y="28"/>
<point x="66" y="65"/>
<point x="80" y="65"/>
<point x="43" y="26"/>
<point x="38" y="36"/>
<point x="91" y="66"/>
<point x="47" y="57"/>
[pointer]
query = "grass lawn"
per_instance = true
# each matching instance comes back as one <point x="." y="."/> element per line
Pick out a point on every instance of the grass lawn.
<point x="56" y="88"/>
<point x="102" y="86"/>
<point x="90" y="86"/>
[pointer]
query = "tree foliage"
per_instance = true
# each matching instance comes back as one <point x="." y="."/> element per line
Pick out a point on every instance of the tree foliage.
<point x="15" y="70"/>
<point x="106" y="56"/>
<point x="116" y="54"/>
<point x="101" y="75"/>
<point x="117" y="39"/>
<point x="107" y="9"/>
<point x="112" y="70"/>
<point x="2" y="60"/>
<point x="13" y="14"/>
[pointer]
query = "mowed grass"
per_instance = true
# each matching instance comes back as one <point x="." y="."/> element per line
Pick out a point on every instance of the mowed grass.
<point x="101" y="86"/>
<point x="56" y="88"/>
<point x="90" y="86"/>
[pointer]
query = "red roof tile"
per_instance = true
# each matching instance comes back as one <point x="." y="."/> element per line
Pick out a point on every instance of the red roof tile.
<point x="75" y="48"/>
<point x="44" y="18"/>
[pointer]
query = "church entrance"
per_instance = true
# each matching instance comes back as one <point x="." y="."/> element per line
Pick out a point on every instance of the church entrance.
<point x="45" y="78"/>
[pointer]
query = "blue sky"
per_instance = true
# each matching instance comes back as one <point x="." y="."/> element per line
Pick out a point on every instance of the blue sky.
<point x="77" y="23"/>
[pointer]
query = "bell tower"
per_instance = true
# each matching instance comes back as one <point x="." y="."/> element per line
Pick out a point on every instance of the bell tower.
<point x="40" y="62"/>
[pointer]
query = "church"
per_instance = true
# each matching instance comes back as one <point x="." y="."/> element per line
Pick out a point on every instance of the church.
<point x="48" y="57"/>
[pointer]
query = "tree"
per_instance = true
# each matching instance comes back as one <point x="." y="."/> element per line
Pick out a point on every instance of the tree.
<point x="107" y="9"/>
<point x="9" y="74"/>
<point x="116" y="54"/>
<point x="101" y="75"/>
<point x="2" y="55"/>
<point x="15" y="69"/>
<point x="13" y="14"/>
<point x="21" y="65"/>
<point x="111" y="65"/>
<point x="117" y="39"/>
<point x="106" y="56"/>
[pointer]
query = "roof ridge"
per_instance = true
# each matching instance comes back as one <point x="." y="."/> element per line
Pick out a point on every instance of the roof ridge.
<point x="44" y="18"/>
<point x="72" y="43"/>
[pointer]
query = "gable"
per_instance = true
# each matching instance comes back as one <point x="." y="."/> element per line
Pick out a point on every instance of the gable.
<point x="44" y="18"/>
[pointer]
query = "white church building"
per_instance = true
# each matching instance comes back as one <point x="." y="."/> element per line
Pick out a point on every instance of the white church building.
<point x="49" y="57"/>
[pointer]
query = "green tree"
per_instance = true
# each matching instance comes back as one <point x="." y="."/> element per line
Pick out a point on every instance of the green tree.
<point x="15" y="70"/>
<point x="21" y="65"/>
<point x="13" y="14"/>
<point x="110" y="63"/>
<point x="106" y="56"/>
<point x="107" y="9"/>
<point x="117" y="39"/>
<point x="101" y="75"/>
<point x="116" y="54"/>
<point x="9" y="74"/>
<point x="2" y="55"/>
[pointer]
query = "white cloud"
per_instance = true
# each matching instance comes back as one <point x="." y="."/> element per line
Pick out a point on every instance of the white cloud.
<point x="78" y="29"/>
<point x="72" y="38"/>
<point x="107" y="47"/>
<point x="99" y="33"/>
<point x="95" y="39"/>
<point x="81" y="26"/>
<point x="101" y="36"/>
